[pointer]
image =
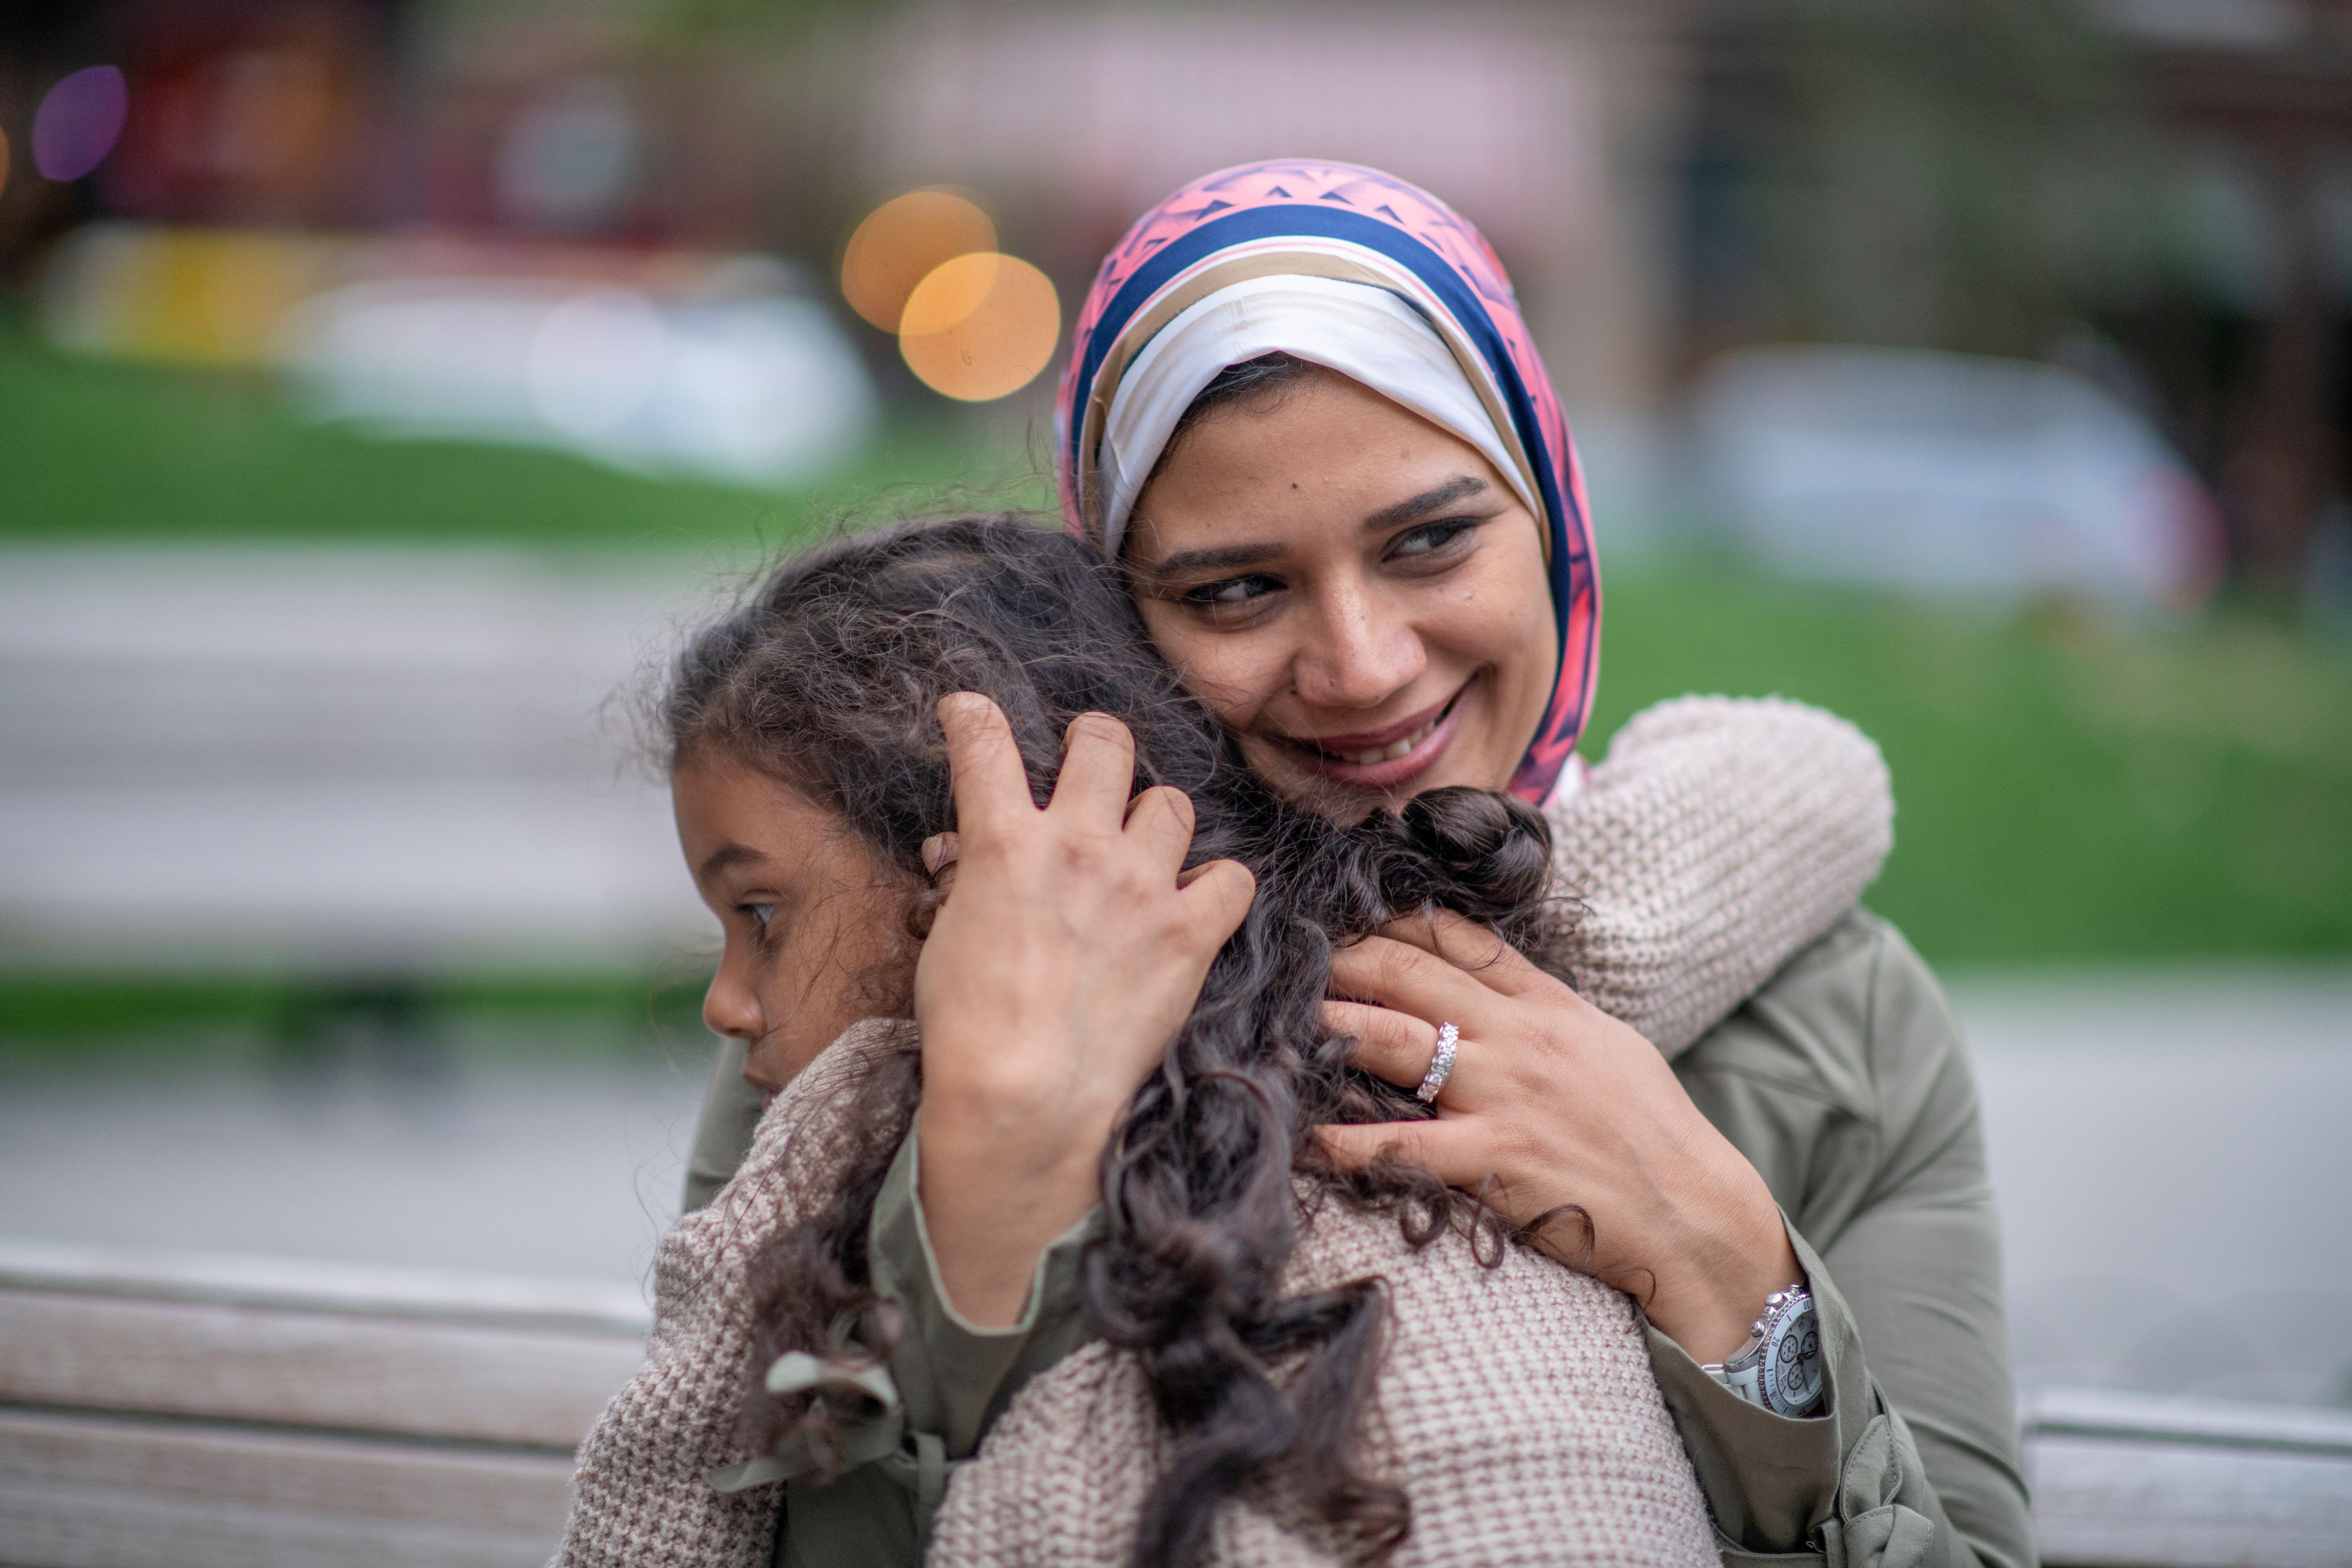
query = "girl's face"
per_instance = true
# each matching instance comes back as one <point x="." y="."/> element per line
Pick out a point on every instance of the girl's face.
<point x="1357" y="593"/>
<point x="815" y="925"/>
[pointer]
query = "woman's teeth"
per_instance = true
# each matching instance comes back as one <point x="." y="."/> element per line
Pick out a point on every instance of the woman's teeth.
<point x="1390" y="752"/>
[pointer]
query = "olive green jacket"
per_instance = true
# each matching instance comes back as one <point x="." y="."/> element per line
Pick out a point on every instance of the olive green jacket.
<point x="1844" y="1081"/>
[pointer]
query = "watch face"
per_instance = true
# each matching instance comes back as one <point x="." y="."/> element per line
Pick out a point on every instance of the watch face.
<point x="1792" y="1369"/>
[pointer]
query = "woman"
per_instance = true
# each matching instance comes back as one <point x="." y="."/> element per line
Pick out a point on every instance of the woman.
<point x="1304" y="416"/>
<point x="1303" y="1363"/>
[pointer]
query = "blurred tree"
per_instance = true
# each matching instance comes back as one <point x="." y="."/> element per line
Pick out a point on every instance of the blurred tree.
<point x="2108" y="184"/>
<point x="1889" y="174"/>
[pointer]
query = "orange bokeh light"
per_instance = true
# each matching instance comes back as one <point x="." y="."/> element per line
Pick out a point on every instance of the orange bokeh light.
<point x="980" y="326"/>
<point x="904" y="241"/>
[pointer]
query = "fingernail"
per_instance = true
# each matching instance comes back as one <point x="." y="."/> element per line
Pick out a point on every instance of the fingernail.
<point x="939" y="853"/>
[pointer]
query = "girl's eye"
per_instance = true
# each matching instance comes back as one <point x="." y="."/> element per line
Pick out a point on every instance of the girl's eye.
<point x="1431" y="538"/>
<point x="760" y="915"/>
<point x="1233" y="591"/>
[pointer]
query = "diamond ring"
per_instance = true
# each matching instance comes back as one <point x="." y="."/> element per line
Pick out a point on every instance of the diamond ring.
<point x="1441" y="1066"/>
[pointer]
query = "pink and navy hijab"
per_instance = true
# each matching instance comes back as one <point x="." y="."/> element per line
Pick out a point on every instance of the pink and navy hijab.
<point x="1352" y="268"/>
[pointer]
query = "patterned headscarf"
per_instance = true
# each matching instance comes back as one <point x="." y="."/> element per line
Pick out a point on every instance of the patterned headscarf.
<point x="1289" y="226"/>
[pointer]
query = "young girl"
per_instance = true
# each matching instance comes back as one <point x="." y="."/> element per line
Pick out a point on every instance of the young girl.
<point x="1278" y="1360"/>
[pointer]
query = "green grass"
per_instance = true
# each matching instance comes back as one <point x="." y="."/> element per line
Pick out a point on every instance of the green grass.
<point x="2071" y="789"/>
<point x="2068" y="788"/>
<point x="95" y="451"/>
<point x="277" y="1020"/>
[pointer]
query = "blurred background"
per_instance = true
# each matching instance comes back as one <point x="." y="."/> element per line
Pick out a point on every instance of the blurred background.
<point x="385" y="382"/>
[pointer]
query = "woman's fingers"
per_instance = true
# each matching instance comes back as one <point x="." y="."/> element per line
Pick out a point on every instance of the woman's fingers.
<point x="992" y="788"/>
<point x="1390" y="1045"/>
<point x="1406" y="978"/>
<point x="1098" y="771"/>
<point x="1215" y="897"/>
<point x="1471" y="947"/>
<point x="1449" y="1150"/>
<point x="1161" y="820"/>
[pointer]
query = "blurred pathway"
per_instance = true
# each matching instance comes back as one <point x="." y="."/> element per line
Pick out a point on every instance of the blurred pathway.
<point x="2175" y="1175"/>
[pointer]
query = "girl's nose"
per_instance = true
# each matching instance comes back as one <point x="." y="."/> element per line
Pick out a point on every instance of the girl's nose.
<point x="728" y="1007"/>
<point x="1356" y="653"/>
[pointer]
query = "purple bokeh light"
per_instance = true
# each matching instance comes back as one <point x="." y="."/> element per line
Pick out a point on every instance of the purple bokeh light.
<point x="78" y="119"/>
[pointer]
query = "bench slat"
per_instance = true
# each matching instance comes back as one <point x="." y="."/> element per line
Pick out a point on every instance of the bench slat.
<point x="299" y="1369"/>
<point x="2121" y="1503"/>
<point x="311" y="1285"/>
<point x="84" y="1492"/>
<point x="201" y="1411"/>
<point x="2170" y="1418"/>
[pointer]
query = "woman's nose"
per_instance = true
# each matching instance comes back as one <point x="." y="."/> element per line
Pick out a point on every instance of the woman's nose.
<point x="1358" y="653"/>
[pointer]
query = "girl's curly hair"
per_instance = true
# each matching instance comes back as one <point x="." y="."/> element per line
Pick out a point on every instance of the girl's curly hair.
<point x="827" y="678"/>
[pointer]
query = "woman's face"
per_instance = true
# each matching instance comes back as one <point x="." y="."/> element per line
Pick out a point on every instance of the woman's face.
<point x="815" y="924"/>
<point x="1358" y="592"/>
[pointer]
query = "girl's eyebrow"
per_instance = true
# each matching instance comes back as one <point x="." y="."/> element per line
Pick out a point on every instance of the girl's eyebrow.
<point x="729" y="853"/>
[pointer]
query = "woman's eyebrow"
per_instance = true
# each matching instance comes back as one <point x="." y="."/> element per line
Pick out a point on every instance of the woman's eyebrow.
<point x="1195" y="562"/>
<point x="1461" y="487"/>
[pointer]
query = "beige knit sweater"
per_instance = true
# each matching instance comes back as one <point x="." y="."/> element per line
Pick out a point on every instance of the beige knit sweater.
<point x="1516" y="1406"/>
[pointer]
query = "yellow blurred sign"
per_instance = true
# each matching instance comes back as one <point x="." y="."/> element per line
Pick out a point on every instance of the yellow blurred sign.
<point x="214" y="296"/>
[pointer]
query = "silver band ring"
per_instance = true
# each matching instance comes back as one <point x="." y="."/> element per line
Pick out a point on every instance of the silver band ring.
<point x="1441" y="1066"/>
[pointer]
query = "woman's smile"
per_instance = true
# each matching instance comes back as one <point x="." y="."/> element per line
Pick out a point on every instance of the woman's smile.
<point x="1391" y="756"/>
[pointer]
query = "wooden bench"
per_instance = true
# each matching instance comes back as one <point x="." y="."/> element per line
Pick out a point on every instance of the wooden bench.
<point x="217" y="1414"/>
<point x="170" y="1413"/>
<point x="2131" y="1478"/>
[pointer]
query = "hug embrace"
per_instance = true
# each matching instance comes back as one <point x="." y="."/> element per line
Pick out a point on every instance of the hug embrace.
<point x="1212" y="1077"/>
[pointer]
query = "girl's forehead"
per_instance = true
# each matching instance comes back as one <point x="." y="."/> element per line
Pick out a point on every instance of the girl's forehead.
<point x="729" y="813"/>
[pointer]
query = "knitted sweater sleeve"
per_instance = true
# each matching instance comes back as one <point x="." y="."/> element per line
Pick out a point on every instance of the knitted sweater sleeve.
<point x="1720" y="836"/>
<point x="639" y="1494"/>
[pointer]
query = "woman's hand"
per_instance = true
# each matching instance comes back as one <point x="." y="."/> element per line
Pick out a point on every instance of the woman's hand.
<point x="1552" y="1103"/>
<point x="1068" y="952"/>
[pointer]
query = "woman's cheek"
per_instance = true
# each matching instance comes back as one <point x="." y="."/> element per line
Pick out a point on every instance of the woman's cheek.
<point x="1523" y="644"/>
<point x="1235" y="674"/>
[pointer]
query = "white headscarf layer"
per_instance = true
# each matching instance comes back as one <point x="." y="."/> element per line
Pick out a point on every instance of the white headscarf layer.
<point x="1364" y="333"/>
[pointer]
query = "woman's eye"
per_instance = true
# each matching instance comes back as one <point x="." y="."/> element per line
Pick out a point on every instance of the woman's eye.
<point x="759" y="915"/>
<point x="1233" y="591"/>
<point x="1431" y="538"/>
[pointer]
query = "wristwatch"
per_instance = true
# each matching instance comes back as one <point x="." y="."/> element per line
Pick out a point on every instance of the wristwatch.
<point x="1780" y="1367"/>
